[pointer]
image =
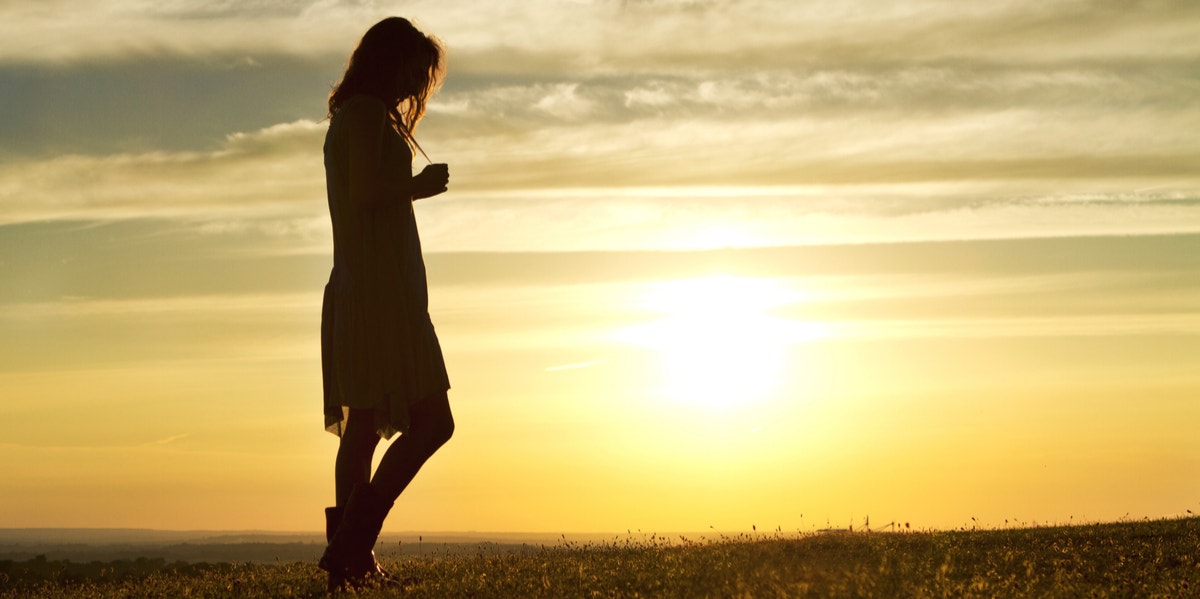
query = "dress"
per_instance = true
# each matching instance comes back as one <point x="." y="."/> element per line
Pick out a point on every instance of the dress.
<point x="378" y="345"/>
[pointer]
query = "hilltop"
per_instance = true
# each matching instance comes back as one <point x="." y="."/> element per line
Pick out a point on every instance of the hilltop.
<point x="1148" y="558"/>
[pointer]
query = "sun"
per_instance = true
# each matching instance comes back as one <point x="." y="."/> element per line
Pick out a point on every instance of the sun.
<point x="719" y="345"/>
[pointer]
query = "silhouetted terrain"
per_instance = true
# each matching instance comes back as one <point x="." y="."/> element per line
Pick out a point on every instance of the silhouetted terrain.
<point x="86" y="545"/>
<point x="1127" y="559"/>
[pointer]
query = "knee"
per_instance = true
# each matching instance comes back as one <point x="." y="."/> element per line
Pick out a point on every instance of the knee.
<point x="434" y="432"/>
<point x="443" y="430"/>
<point x="433" y="422"/>
<point x="428" y="436"/>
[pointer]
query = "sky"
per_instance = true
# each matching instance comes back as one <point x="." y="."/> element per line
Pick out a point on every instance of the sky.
<point x="703" y="265"/>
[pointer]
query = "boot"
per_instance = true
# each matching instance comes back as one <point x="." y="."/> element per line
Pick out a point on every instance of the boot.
<point x="333" y="519"/>
<point x="352" y="532"/>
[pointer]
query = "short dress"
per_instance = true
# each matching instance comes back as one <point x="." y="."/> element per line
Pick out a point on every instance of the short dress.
<point x="379" y="349"/>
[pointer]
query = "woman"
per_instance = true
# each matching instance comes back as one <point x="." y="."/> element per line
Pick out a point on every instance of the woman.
<point x="382" y="364"/>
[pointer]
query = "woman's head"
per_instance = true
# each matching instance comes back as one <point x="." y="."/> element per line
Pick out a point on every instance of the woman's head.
<point x="398" y="64"/>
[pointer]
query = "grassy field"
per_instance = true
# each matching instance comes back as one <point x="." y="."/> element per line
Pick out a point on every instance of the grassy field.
<point x="1128" y="559"/>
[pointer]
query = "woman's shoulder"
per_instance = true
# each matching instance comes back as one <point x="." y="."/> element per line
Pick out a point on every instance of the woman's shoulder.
<point x="361" y="106"/>
<point x="360" y="116"/>
<point x="364" y="100"/>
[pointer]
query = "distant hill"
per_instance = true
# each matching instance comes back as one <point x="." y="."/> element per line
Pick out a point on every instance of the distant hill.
<point x="109" y="544"/>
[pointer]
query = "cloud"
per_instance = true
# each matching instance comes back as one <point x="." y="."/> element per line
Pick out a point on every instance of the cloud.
<point x="244" y="307"/>
<point x="603" y="36"/>
<point x="712" y="217"/>
<point x="87" y="31"/>
<point x="166" y="440"/>
<point x="154" y="103"/>
<point x="274" y="171"/>
<point x="817" y="121"/>
<point x="159" y="331"/>
<point x="563" y="102"/>
<point x="648" y="183"/>
<point x="1010" y="328"/>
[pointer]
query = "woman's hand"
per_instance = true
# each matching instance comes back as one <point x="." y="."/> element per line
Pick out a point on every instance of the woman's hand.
<point x="431" y="181"/>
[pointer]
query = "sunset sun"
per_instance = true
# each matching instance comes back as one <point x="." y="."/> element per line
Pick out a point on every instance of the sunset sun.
<point x="720" y="348"/>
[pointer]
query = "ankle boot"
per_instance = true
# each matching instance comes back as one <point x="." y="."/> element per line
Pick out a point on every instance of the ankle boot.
<point x="333" y="519"/>
<point x="349" y="557"/>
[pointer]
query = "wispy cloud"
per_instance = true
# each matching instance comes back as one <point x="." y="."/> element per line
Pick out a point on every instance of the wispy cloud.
<point x="1186" y="323"/>
<point x="165" y="440"/>
<point x="165" y="310"/>
<point x="276" y="170"/>
<point x="602" y="34"/>
<point x="776" y="122"/>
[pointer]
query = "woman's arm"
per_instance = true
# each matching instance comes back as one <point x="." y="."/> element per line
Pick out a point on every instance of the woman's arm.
<point x="367" y="130"/>
<point x="366" y="123"/>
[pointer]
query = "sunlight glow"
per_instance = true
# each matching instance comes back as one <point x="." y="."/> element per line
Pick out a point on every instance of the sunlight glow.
<point x="714" y="236"/>
<point x="720" y="346"/>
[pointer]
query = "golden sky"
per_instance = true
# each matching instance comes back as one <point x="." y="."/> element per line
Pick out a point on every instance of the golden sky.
<point x="702" y="264"/>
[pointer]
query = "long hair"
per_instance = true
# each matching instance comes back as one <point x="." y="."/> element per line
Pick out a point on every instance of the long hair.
<point x="398" y="64"/>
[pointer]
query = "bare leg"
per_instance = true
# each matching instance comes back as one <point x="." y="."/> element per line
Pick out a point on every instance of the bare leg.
<point x="355" y="451"/>
<point x="431" y="425"/>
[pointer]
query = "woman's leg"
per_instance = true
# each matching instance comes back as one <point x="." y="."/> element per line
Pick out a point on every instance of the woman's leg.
<point x="430" y="426"/>
<point x="355" y="451"/>
<point x="349" y="554"/>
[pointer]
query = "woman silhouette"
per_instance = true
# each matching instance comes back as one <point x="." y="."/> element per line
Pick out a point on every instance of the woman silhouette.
<point x="382" y="365"/>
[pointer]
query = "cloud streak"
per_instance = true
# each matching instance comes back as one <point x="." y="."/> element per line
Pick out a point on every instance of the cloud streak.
<point x="273" y="171"/>
<point x="601" y="35"/>
<point x="608" y="125"/>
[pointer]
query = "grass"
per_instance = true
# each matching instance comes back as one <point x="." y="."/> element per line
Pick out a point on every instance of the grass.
<point x="1128" y="559"/>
